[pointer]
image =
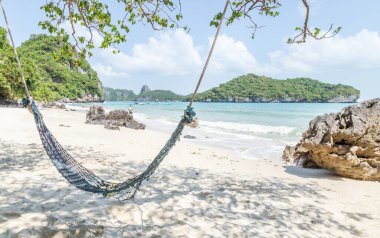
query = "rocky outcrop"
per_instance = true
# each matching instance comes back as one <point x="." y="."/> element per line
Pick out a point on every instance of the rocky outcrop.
<point x="55" y="105"/>
<point x="96" y="115"/>
<point x="123" y="118"/>
<point x="110" y="126"/>
<point x="111" y="94"/>
<point x="85" y="99"/>
<point x="342" y="99"/>
<point x="112" y="120"/>
<point x="347" y="142"/>
<point x="145" y="89"/>
<point x="4" y="102"/>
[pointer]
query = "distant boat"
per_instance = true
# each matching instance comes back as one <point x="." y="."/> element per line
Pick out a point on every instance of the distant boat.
<point x="139" y="103"/>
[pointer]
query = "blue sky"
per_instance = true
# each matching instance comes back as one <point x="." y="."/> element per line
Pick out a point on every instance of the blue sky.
<point x="173" y="59"/>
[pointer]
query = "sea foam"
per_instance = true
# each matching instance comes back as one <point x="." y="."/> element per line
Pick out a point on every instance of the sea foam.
<point x="247" y="127"/>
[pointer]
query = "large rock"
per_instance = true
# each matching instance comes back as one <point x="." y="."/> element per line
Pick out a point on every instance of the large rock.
<point x="110" y="126"/>
<point x="113" y="119"/>
<point x="55" y="105"/>
<point x="96" y="115"/>
<point x="123" y="118"/>
<point x="347" y="142"/>
<point x="145" y="89"/>
<point x="341" y="99"/>
<point x="87" y="98"/>
<point x="5" y="102"/>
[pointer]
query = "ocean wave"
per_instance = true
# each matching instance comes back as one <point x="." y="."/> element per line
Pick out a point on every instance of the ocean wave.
<point x="140" y="116"/>
<point x="166" y="121"/>
<point x="246" y="127"/>
<point x="224" y="134"/>
<point x="229" y="128"/>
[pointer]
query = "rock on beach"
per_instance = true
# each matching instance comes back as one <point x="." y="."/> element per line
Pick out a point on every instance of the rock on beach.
<point x="347" y="142"/>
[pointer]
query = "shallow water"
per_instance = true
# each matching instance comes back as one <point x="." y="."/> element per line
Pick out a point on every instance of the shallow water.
<point x="253" y="130"/>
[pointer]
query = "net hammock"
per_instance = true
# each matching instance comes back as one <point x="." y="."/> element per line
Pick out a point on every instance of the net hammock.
<point x="83" y="178"/>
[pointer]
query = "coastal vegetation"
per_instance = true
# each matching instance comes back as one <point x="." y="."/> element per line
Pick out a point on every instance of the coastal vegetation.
<point x="48" y="77"/>
<point x="254" y="88"/>
<point x="150" y="95"/>
<point x="159" y="95"/>
<point x="250" y="88"/>
<point x="111" y="94"/>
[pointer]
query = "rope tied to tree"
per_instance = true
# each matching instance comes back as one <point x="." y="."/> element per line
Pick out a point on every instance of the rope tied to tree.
<point x="210" y="53"/>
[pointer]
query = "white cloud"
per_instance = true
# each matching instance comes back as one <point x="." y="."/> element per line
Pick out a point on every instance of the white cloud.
<point x="231" y="56"/>
<point x="360" y="51"/>
<point x="109" y="72"/>
<point x="168" y="53"/>
<point x="174" y="53"/>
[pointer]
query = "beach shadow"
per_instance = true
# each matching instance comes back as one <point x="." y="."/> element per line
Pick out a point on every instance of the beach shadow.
<point x="176" y="202"/>
<point x="311" y="173"/>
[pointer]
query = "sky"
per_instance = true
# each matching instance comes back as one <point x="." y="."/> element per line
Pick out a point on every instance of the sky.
<point x="173" y="59"/>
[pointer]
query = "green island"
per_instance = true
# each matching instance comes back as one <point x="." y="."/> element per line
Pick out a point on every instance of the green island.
<point x="111" y="94"/>
<point x="252" y="88"/>
<point x="48" y="78"/>
<point x="150" y="95"/>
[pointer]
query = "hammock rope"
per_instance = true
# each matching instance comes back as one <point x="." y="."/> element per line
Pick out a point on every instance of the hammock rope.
<point x="78" y="175"/>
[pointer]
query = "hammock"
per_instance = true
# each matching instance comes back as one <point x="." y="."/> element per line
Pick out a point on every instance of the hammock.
<point x="83" y="178"/>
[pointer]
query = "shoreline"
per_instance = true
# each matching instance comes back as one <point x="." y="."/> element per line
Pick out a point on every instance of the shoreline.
<point x="197" y="191"/>
<point x="228" y="141"/>
<point x="101" y="102"/>
<point x="16" y="105"/>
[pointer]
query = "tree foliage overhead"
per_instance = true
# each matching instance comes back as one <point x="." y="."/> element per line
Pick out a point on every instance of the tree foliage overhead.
<point x="48" y="77"/>
<point x="96" y="17"/>
<point x="253" y="88"/>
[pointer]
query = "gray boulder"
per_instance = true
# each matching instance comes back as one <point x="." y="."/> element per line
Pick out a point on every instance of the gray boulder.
<point x="112" y="120"/>
<point x="110" y="126"/>
<point x="55" y="105"/>
<point x="144" y="89"/>
<point x="123" y="118"/>
<point x="347" y="142"/>
<point x="96" y="115"/>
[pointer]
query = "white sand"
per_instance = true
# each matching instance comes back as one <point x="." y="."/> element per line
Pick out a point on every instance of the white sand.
<point x="197" y="192"/>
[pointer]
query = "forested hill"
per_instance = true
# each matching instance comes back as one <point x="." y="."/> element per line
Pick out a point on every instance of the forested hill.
<point x="253" y="88"/>
<point x="111" y="94"/>
<point x="48" y="79"/>
<point x="159" y="95"/>
<point x="148" y="95"/>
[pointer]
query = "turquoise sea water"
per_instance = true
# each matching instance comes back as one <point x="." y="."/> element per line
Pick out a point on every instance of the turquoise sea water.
<point x="253" y="130"/>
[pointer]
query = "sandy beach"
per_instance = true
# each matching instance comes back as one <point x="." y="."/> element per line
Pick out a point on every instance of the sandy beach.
<point x="198" y="191"/>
